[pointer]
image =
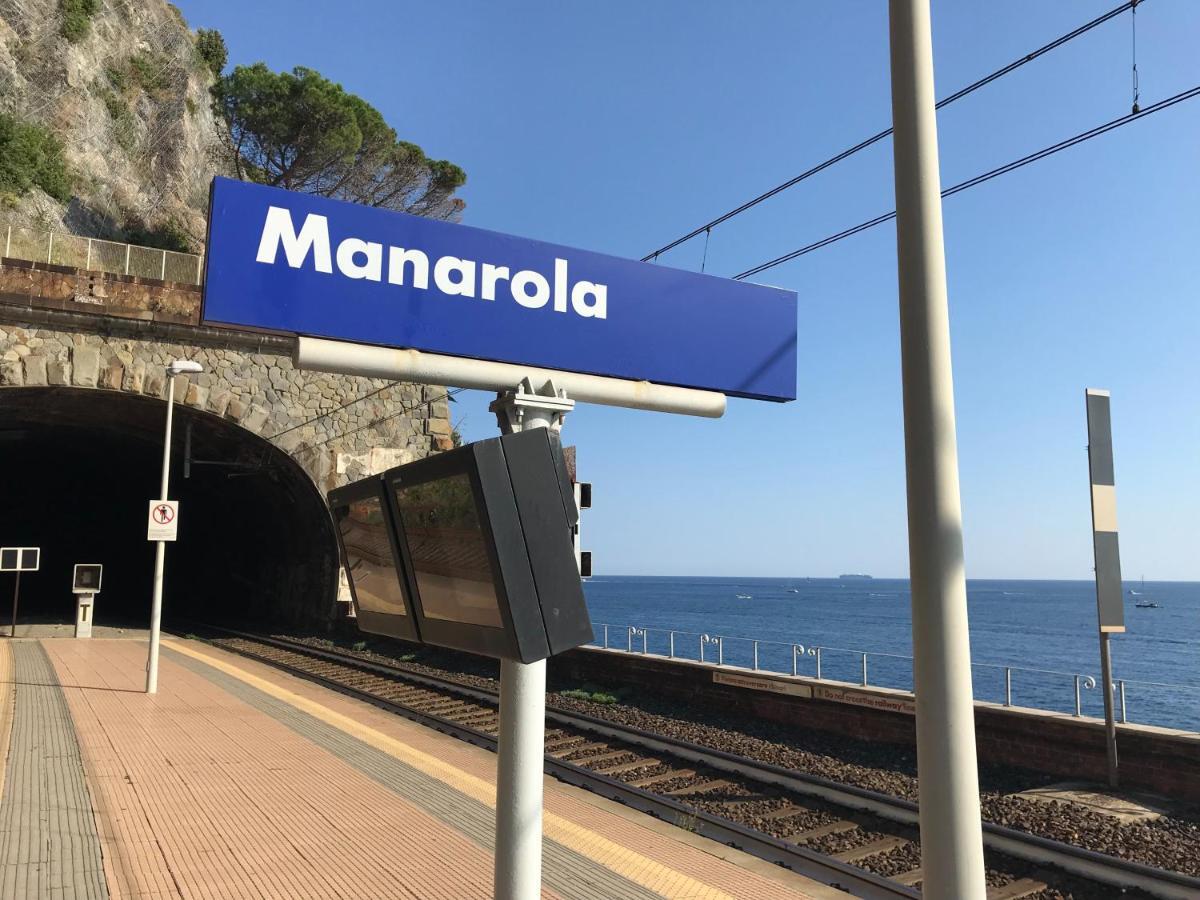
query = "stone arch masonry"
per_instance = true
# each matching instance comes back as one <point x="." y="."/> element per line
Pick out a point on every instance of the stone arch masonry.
<point x="63" y="326"/>
<point x="92" y="330"/>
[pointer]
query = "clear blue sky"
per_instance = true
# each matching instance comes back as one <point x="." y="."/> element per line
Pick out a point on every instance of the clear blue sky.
<point x="618" y="126"/>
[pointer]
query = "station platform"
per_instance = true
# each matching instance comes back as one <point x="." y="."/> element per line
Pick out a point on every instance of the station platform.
<point x="237" y="780"/>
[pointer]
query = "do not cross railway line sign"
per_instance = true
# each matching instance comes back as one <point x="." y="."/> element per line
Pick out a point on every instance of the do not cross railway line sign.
<point x="163" y="521"/>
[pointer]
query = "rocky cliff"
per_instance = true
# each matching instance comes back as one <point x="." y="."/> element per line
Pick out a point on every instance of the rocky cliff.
<point x="128" y="96"/>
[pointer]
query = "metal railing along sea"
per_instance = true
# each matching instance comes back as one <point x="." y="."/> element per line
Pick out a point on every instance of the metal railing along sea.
<point x="812" y="661"/>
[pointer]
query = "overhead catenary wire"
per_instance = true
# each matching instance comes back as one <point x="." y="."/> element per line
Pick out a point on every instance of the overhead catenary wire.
<point x="980" y="179"/>
<point x="876" y="138"/>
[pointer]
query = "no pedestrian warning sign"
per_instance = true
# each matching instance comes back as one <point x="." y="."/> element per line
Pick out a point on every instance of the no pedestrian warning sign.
<point x="163" y="521"/>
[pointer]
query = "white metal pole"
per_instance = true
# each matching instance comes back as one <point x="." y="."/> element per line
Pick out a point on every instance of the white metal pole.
<point x="519" y="780"/>
<point x="435" y="368"/>
<point x="520" y="763"/>
<point x="16" y="597"/>
<point x="951" y="833"/>
<point x="160" y="553"/>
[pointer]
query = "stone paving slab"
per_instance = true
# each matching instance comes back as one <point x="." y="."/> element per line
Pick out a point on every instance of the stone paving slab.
<point x="673" y="861"/>
<point x="237" y="780"/>
<point x="49" y="844"/>
<point x="1124" y="806"/>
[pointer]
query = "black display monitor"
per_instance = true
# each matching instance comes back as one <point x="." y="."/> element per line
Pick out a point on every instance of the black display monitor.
<point x="367" y="539"/>
<point x="87" y="578"/>
<point x="483" y="537"/>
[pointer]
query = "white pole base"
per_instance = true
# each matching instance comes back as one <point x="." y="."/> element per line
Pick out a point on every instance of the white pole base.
<point x="518" y="874"/>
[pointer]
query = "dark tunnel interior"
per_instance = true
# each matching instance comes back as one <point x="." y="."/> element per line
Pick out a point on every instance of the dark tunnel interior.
<point x="79" y="468"/>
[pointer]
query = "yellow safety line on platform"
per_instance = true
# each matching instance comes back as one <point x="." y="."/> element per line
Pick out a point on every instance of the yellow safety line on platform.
<point x="653" y="876"/>
<point x="8" y="691"/>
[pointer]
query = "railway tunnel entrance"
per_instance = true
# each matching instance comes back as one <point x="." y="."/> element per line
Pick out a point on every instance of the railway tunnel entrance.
<point x="79" y="465"/>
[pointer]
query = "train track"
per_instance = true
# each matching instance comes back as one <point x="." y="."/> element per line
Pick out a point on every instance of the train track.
<point x="861" y="841"/>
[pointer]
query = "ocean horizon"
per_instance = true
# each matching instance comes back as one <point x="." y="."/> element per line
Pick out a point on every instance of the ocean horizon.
<point x="1045" y="630"/>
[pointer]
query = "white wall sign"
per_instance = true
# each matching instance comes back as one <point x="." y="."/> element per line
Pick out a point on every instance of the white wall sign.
<point x="761" y="683"/>
<point x="163" y="521"/>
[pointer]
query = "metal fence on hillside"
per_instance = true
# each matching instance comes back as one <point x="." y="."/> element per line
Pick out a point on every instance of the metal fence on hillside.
<point x="96" y="255"/>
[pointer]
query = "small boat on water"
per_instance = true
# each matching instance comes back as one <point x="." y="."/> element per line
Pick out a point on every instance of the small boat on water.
<point x="1145" y="602"/>
<point x="793" y="590"/>
<point x="744" y="597"/>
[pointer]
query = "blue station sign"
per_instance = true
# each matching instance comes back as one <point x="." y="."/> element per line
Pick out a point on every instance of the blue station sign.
<point x="323" y="268"/>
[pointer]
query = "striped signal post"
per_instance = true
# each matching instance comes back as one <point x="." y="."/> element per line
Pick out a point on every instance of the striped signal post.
<point x="1110" y="604"/>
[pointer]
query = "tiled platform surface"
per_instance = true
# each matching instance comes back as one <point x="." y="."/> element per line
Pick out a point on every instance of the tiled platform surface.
<point x="237" y="780"/>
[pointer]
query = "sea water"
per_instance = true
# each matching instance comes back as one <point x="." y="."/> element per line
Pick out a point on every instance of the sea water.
<point x="1027" y="625"/>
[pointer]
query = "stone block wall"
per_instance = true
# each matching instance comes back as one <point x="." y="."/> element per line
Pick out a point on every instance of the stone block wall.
<point x="98" y="293"/>
<point x="69" y="327"/>
<point x="299" y="412"/>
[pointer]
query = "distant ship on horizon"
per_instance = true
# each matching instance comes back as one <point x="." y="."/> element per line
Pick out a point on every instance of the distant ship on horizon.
<point x="854" y="576"/>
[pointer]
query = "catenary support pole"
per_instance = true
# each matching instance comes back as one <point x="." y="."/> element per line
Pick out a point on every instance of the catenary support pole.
<point x="521" y="750"/>
<point x="160" y="553"/>
<point x="951" y="833"/>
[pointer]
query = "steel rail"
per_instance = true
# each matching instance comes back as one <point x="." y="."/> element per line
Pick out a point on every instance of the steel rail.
<point x="1033" y="848"/>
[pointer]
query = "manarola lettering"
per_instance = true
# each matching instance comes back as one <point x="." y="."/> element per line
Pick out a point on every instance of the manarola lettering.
<point x="451" y="275"/>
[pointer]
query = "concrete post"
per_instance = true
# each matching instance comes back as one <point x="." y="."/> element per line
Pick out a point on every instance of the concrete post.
<point x="951" y="833"/>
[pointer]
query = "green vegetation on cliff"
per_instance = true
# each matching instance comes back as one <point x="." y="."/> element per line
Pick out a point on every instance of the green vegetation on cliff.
<point x="300" y="131"/>
<point x="167" y="236"/>
<point x="31" y="156"/>
<point x="210" y="47"/>
<point x="77" y="18"/>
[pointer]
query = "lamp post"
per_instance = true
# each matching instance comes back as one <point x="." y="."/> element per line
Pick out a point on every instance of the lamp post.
<point x="178" y="367"/>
